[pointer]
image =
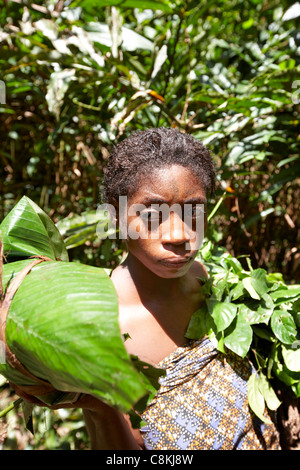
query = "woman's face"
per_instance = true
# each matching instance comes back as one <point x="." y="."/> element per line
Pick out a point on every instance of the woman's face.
<point x="166" y="221"/>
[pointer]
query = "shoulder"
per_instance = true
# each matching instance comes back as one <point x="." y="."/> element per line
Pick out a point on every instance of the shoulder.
<point x="124" y="285"/>
<point x="198" y="271"/>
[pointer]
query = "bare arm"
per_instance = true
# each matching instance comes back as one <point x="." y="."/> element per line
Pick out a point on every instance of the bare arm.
<point x="108" y="428"/>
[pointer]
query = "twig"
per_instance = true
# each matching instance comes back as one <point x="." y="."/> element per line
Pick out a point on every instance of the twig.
<point x="216" y="207"/>
<point x="11" y="407"/>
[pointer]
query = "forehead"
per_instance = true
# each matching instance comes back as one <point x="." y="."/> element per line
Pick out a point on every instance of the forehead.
<point x="173" y="183"/>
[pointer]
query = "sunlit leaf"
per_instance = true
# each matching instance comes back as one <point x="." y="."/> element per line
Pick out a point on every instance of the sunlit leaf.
<point x="247" y="282"/>
<point x="28" y="231"/>
<point x="291" y="356"/>
<point x="63" y="326"/>
<point x="162" y="5"/>
<point x="223" y="313"/>
<point x="268" y="393"/>
<point x="283" y="326"/>
<point x="255" y="398"/>
<point x="199" y="325"/>
<point x="238" y="336"/>
<point x="259" y="281"/>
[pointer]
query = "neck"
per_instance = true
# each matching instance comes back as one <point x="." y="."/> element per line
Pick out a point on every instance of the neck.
<point x="149" y="284"/>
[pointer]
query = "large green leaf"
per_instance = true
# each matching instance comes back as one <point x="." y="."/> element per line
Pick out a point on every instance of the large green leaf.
<point x="78" y="229"/>
<point x="238" y="336"/>
<point x="255" y="397"/>
<point x="285" y="294"/>
<point x="200" y="324"/>
<point x="268" y="392"/>
<point x="223" y="314"/>
<point x="283" y="326"/>
<point x="28" y="231"/>
<point x="259" y="281"/>
<point x="291" y="356"/>
<point x="63" y="326"/>
<point x="151" y="4"/>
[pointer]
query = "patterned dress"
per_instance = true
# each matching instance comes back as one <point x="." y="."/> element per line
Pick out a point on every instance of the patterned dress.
<point x="202" y="404"/>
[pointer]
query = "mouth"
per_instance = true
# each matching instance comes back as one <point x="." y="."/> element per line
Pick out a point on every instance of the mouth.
<point x="176" y="261"/>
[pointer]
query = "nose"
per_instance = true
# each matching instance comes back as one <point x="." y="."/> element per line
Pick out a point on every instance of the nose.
<point x="174" y="230"/>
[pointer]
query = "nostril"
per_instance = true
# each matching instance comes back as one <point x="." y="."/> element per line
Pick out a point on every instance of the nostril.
<point x="175" y="237"/>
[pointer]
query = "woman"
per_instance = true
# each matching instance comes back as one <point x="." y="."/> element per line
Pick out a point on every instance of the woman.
<point x="166" y="177"/>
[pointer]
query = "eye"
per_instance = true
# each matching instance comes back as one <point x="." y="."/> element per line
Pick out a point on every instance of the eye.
<point x="150" y="215"/>
<point x="194" y="211"/>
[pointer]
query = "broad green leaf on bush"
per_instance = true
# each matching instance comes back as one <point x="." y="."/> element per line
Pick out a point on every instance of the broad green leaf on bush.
<point x="69" y="224"/>
<point x="250" y="314"/>
<point x="257" y="311"/>
<point x="275" y="278"/>
<point x="233" y="263"/>
<point x="255" y="398"/>
<point x="200" y="324"/>
<point x="247" y="282"/>
<point x="283" y="326"/>
<point x="238" y="336"/>
<point x="265" y="308"/>
<point x="223" y="313"/>
<point x="237" y="291"/>
<point x="27" y="231"/>
<point x="267" y="392"/>
<point x="263" y="333"/>
<point x="63" y="326"/>
<point x="79" y="229"/>
<point x="296" y="389"/>
<point x="259" y="281"/>
<point x="291" y="356"/>
<point x="283" y="294"/>
<point x="281" y="371"/>
<point x="162" y="5"/>
<point x="131" y="40"/>
<point x="296" y="312"/>
<point x="57" y="88"/>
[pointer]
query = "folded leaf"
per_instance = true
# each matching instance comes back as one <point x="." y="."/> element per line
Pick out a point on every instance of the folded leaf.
<point x="268" y="393"/>
<point x="27" y="231"/>
<point x="63" y="327"/>
<point x="291" y="356"/>
<point x="223" y="314"/>
<point x="283" y="326"/>
<point x="238" y="336"/>
<point x="255" y="398"/>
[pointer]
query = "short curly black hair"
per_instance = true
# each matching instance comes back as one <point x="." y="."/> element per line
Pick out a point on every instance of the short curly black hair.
<point x="136" y="156"/>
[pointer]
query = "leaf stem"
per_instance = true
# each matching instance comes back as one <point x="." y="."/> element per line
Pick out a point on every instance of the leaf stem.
<point x="216" y="207"/>
<point x="11" y="407"/>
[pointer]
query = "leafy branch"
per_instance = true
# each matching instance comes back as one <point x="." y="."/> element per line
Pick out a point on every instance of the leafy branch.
<point x="252" y="313"/>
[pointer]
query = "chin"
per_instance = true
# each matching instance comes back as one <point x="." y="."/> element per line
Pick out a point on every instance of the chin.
<point x="172" y="274"/>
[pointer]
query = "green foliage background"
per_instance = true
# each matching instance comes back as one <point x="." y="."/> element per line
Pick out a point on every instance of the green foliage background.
<point x="79" y="76"/>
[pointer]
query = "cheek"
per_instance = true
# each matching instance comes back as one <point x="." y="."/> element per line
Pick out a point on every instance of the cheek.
<point x="147" y="253"/>
<point x="136" y="229"/>
<point x="142" y="248"/>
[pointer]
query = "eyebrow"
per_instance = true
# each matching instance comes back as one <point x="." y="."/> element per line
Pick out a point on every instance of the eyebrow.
<point x="196" y="200"/>
<point x="148" y="201"/>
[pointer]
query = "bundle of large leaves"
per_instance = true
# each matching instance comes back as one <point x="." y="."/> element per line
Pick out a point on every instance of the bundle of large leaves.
<point x="62" y="323"/>
<point x="252" y="312"/>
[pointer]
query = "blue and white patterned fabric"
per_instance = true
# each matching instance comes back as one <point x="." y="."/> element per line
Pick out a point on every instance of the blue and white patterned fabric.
<point x="202" y="404"/>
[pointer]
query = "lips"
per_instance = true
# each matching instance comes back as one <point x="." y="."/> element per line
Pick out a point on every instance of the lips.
<point x="175" y="261"/>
